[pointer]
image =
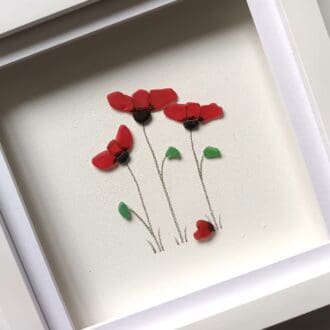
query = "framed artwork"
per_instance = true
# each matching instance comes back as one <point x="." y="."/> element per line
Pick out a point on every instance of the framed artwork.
<point x="166" y="169"/>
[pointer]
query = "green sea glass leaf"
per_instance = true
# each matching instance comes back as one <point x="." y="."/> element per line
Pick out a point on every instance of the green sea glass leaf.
<point x="173" y="153"/>
<point x="211" y="152"/>
<point x="124" y="211"/>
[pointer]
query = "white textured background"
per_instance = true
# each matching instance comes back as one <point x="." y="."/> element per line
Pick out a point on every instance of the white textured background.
<point x="56" y="118"/>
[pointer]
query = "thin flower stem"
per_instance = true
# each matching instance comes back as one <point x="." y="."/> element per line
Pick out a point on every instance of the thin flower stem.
<point x="160" y="240"/>
<point x="148" y="224"/>
<point x="147" y="227"/>
<point x="162" y="167"/>
<point x="201" y="165"/>
<point x="142" y="221"/>
<point x="200" y="175"/>
<point x="220" y="222"/>
<point x="152" y="247"/>
<point x="160" y="175"/>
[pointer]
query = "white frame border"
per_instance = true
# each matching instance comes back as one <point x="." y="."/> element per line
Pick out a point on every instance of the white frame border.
<point x="272" y="27"/>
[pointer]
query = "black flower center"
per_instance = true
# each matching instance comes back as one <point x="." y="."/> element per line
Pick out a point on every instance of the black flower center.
<point x="191" y="124"/>
<point x="211" y="227"/>
<point x="123" y="157"/>
<point x="142" y="116"/>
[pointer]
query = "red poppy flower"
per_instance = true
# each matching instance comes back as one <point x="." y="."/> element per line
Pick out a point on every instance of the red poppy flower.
<point x="205" y="230"/>
<point x="191" y="114"/>
<point x="117" y="150"/>
<point x="142" y="102"/>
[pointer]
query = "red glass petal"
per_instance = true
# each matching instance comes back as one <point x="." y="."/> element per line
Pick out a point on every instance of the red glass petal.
<point x="141" y="99"/>
<point x="193" y="110"/>
<point x="205" y="230"/>
<point x="124" y="137"/>
<point x="104" y="161"/>
<point x="160" y="98"/>
<point x="211" y="112"/>
<point x="114" y="148"/>
<point x="120" y="101"/>
<point x="176" y="112"/>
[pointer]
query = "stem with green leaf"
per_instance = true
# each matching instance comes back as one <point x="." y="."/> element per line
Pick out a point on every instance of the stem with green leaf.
<point x="199" y="167"/>
<point x="161" y="178"/>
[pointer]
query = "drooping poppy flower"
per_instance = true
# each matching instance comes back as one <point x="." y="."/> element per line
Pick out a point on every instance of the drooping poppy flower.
<point x="191" y="114"/>
<point x="205" y="230"/>
<point x="117" y="151"/>
<point x="142" y="102"/>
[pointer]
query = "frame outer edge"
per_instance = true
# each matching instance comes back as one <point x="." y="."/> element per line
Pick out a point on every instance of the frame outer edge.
<point x="37" y="271"/>
<point x="253" y="285"/>
<point x="280" y="52"/>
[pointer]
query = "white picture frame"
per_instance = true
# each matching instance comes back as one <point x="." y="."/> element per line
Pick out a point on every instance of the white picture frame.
<point x="271" y="20"/>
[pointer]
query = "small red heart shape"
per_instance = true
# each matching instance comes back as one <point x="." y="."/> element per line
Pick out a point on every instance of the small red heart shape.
<point x="205" y="230"/>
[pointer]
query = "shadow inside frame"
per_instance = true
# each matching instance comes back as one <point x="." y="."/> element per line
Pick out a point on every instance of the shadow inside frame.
<point x="315" y="320"/>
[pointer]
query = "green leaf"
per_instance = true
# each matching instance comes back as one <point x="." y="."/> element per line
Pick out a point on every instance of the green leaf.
<point x="211" y="152"/>
<point x="124" y="211"/>
<point x="173" y="153"/>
